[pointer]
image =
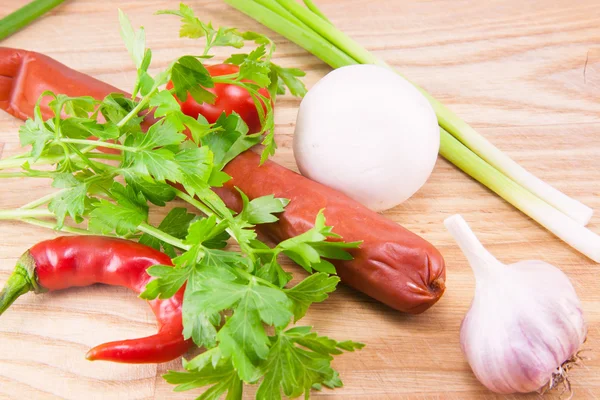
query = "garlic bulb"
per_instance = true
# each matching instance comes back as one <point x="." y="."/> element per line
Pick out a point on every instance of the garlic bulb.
<point x="525" y="325"/>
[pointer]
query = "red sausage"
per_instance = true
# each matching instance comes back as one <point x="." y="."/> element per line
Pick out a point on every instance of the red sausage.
<point x="393" y="265"/>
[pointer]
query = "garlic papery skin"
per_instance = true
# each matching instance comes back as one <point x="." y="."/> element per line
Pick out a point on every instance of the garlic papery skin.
<point x="524" y="323"/>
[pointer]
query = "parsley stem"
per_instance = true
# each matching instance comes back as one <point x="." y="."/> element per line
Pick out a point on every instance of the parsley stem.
<point x="17" y="156"/>
<point x="52" y="225"/>
<point x="104" y="156"/>
<point x="42" y="200"/>
<point x="253" y="278"/>
<point x="263" y="251"/>
<point x="15" y="162"/>
<point x="165" y="237"/>
<point x="199" y="205"/>
<point x="37" y="174"/>
<point x="97" y="143"/>
<point x="24" y="213"/>
<point x="136" y="110"/>
<point x="206" y="210"/>
<point x="225" y="78"/>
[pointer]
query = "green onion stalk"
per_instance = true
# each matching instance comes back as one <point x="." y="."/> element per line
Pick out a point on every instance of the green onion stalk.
<point x="25" y="15"/>
<point x="460" y="143"/>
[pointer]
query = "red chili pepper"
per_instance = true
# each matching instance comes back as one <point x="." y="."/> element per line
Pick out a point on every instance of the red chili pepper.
<point x="70" y="261"/>
<point x="230" y="98"/>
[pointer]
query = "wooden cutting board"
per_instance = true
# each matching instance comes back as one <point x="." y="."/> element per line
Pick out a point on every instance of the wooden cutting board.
<point x="525" y="73"/>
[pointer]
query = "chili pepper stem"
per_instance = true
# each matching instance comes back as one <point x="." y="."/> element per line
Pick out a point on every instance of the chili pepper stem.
<point x="21" y="281"/>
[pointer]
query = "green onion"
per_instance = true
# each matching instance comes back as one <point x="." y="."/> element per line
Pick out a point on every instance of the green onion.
<point x="577" y="236"/>
<point x="25" y="15"/>
<point x="460" y="143"/>
<point x="451" y="122"/>
<point x="313" y="7"/>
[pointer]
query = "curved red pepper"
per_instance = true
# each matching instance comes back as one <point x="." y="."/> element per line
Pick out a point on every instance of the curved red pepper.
<point x="71" y="261"/>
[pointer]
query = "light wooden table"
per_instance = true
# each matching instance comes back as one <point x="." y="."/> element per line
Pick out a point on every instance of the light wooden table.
<point x="526" y="73"/>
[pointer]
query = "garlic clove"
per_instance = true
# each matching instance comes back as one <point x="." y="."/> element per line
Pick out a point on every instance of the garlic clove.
<point x="524" y="323"/>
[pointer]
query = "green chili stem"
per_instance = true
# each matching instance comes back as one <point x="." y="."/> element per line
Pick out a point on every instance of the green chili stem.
<point x="165" y="237"/>
<point x="25" y="16"/>
<point x="21" y="281"/>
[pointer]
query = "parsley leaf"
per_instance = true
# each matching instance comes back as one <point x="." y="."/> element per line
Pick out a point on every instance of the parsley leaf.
<point x="307" y="248"/>
<point x="35" y="133"/>
<point x="159" y="163"/>
<point x="170" y="280"/>
<point x="70" y="201"/>
<point x="204" y="229"/>
<point x="255" y="67"/>
<point x="222" y="376"/>
<point x="176" y="224"/>
<point x="196" y="166"/>
<point x="162" y="133"/>
<point x="157" y="193"/>
<point x="134" y="41"/>
<point x="289" y="76"/>
<point x="313" y="289"/>
<point x="122" y="217"/>
<point x="311" y="355"/>
<point x="228" y="37"/>
<point x="191" y="26"/>
<point x="261" y="209"/>
<point x="272" y="272"/>
<point x="230" y="140"/>
<point x="165" y="103"/>
<point x="190" y="76"/>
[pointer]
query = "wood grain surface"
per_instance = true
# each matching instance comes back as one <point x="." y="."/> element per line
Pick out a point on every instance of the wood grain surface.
<point x="526" y="73"/>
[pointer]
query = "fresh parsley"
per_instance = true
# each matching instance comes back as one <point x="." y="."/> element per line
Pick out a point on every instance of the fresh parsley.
<point x="238" y="302"/>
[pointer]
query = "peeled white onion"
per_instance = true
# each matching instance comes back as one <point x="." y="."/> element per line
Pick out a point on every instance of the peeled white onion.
<point x="368" y="133"/>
